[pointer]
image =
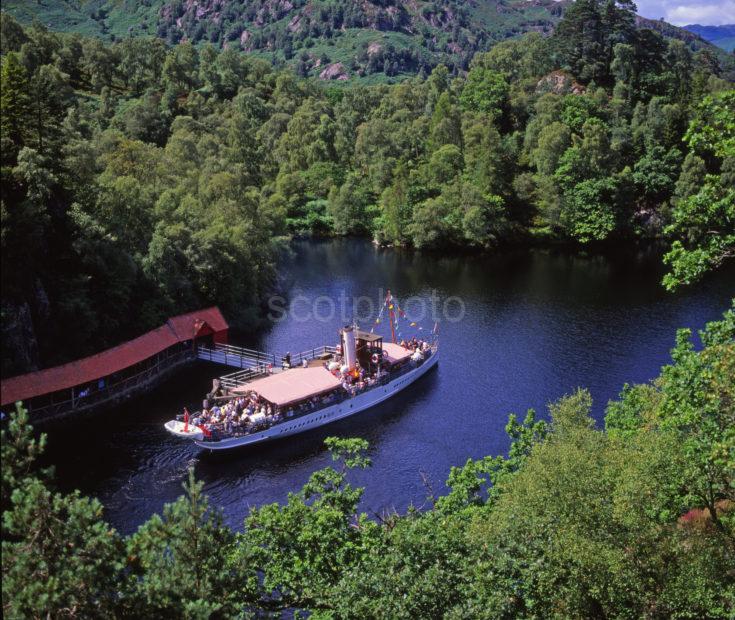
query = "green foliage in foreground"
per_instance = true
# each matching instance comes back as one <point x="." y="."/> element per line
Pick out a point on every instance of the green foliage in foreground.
<point x="636" y="521"/>
<point x="705" y="219"/>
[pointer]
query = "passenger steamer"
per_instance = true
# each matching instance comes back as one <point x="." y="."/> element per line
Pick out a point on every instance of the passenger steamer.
<point x="311" y="391"/>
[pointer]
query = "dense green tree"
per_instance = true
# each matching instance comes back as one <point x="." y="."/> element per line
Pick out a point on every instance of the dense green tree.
<point x="446" y="126"/>
<point x="12" y="35"/>
<point x="348" y="206"/>
<point x="445" y="164"/>
<point x="517" y="58"/>
<point x="396" y="208"/>
<point x="698" y="407"/>
<point x="309" y="137"/>
<point x="180" y="68"/>
<point x="98" y="63"/>
<point x="303" y="547"/>
<point x="182" y="563"/>
<point x="484" y="91"/>
<point x="691" y="178"/>
<point x="49" y="96"/>
<point x="415" y="569"/>
<point x="459" y="212"/>
<point x="655" y="175"/>
<point x="487" y="163"/>
<point x="59" y="557"/>
<point x="14" y="108"/>
<point x="588" y="212"/>
<point x="705" y="220"/>
<point x="553" y="141"/>
<point x="141" y="63"/>
<point x="543" y="552"/>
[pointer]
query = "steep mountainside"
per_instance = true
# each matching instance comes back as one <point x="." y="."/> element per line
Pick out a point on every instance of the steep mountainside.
<point x="332" y="39"/>
<point x="722" y="36"/>
<point x="355" y="37"/>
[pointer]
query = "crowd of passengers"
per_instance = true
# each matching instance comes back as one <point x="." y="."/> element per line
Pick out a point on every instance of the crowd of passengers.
<point x="247" y="413"/>
<point x="416" y="344"/>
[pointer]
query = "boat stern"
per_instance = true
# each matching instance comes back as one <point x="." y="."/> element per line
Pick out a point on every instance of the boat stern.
<point x="184" y="431"/>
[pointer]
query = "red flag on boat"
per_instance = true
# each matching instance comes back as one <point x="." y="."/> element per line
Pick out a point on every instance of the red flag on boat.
<point x="186" y="420"/>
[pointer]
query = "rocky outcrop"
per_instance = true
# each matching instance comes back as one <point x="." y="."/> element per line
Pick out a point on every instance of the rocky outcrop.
<point x="374" y="48"/>
<point x="334" y="71"/>
<point x="559" y="83"/>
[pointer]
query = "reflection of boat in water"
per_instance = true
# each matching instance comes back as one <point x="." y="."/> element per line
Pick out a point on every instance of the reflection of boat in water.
<point x="311" y="389"/>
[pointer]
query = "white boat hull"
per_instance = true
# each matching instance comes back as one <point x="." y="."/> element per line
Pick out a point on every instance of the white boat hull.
<point x="322" y="417"/>
<point x="181" y="430"/>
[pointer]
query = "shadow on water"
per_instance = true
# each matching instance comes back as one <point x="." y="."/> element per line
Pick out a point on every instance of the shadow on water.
<point x="537" y="325"/>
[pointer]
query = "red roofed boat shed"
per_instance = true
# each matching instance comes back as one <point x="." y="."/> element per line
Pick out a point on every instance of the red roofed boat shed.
<point x="117" y="372"/>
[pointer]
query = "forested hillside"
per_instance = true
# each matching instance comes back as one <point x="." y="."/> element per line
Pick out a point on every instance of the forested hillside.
<point x="140" y="180"/>
<point x="336" y="38"/>
<point x="636" y="521"/>
<point x="370" y="41"/>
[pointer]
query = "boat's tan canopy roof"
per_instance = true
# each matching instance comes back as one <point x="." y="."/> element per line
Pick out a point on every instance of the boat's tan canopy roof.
<point x="395" y="352"/>
<point x="292" y="385"/>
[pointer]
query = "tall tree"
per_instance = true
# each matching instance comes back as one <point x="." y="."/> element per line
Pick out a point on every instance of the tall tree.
<point x="14" y="107"/>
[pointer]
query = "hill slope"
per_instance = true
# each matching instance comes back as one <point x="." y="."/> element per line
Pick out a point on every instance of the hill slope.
<point x="332" y="39"/>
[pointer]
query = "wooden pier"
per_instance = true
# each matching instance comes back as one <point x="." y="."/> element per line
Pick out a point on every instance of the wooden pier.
<point x="118" y="373"/>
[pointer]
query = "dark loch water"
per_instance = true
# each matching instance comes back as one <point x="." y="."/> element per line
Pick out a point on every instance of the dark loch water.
<point x="536" y="325"/>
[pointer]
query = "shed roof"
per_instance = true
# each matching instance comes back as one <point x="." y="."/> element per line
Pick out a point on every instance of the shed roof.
<point x="177" y="329"/>
<point x="292" y="385"/>
<point x="186" y="326"/>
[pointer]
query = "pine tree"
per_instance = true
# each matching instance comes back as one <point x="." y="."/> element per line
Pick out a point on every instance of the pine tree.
<point x="181" y="563"/>
<point x="59" y="558"/>
<point x="14" y="108"/>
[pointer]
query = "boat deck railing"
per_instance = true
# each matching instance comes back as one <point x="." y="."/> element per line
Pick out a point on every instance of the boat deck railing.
<point x="236" y="379"/>
<point x="312" y="354"/>
<point x="266" y="364"/>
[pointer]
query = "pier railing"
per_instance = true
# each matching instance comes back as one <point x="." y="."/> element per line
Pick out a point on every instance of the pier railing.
<point x="239" y="357"/>
<point x="111" y="392"/>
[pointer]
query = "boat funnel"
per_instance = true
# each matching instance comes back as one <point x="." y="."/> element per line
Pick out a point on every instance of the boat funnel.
<point x="349" y="347"/>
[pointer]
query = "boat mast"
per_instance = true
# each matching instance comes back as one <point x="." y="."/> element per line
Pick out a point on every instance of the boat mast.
<point x="392" y="317"/>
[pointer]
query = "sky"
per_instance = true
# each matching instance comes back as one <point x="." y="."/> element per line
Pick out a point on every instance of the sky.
<point x="683" y="12"/>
